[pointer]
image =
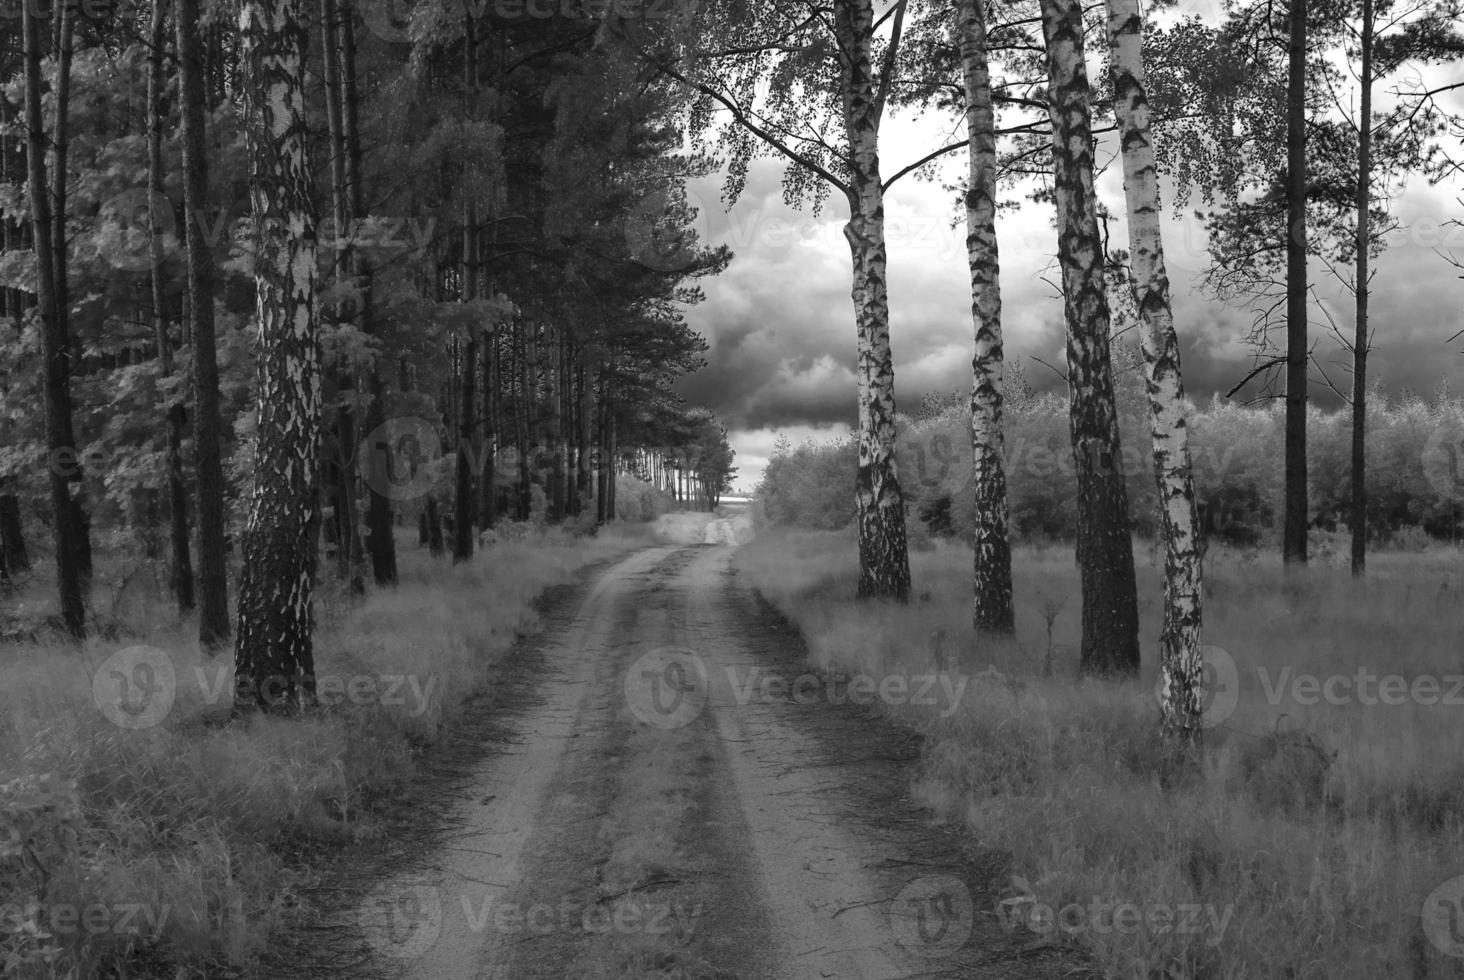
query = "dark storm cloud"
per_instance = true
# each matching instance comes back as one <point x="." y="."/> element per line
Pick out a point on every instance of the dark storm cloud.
<point x="781" y="327"/>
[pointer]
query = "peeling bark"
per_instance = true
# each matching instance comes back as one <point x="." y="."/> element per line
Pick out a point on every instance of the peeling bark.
<point x="884" y="563"/>
<point x="273" y="652"/>
<point x="992" y="604"/>
<point x="1110" y="631"/>
<point x="1181" y="663"/>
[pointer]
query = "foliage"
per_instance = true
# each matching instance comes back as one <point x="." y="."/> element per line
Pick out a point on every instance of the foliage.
<point x="1414" y="482"/>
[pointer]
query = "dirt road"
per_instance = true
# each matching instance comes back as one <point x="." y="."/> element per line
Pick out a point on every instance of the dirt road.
<point x="673" y="796"/>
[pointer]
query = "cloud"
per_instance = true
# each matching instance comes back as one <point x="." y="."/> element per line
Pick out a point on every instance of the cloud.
<point x="780" y="320"/>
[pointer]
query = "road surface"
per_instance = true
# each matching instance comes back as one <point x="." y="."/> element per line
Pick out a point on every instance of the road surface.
<point x="661" y="800"/>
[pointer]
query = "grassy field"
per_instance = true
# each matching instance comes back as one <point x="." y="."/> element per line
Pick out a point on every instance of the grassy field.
<point x="165" y="841"/>
<point x="1323" y="837"/>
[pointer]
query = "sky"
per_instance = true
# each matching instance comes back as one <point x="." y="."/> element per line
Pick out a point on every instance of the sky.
<point x="780" y="319"/>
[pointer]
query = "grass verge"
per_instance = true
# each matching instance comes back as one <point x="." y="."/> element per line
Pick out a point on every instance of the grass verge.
<point x="140" y="834"/>
<point x="1322" y="839"/>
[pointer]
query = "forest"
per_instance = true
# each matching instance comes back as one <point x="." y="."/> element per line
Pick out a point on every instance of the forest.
<point x="345" y="444"/>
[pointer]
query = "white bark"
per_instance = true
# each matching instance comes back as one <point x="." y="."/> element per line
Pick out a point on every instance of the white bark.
<point x="1180" y="661"/>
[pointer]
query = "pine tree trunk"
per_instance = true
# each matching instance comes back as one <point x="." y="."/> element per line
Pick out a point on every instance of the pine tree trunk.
<point x="12" y="535"/>
<point x="1181" y="661"/>
<point x="464" y="498"/>
<point x="64" y="40"/>
<point x="606" y="473"/>
<point x="1110" y="631"/>
<point x="884" y="562"/>
<point x="181" y="579"/>
<point x="213" y="579"/>
<point x="56" y="346"/>
<point x="273" y="653"/>
<point x="488" y="420"/>
<point x="380" y="521"/>
<point x="435" y="544"/>
<point x="350" y="560"/>
<point x="1294" y="544"/>
<point x="584" y="482"/>
<point x="1358" y="518"/>
<point x="992" y="605"/>
<point x="556" y="427"/>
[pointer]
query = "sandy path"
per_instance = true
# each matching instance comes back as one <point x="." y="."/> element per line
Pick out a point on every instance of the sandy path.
<point x="662" y="810"/>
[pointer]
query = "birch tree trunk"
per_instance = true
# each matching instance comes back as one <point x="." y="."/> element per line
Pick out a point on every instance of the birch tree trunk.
<point x="1110" y="632"/>
<point x="213" y="580"/>
<point x="181" y="580"/>
<point x="273" y="653"/>
<point x="1294" y="543"/>
<point x="992" y="605"/>
<point x="56" y="347"/>
<point x="1181" y="661"/>
<point x="884" y="562"/>
<point x="1358" y="517"/>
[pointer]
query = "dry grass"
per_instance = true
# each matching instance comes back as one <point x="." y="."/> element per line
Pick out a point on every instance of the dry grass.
<point x="178" y="837"/>
<point x="1316" y="831"/>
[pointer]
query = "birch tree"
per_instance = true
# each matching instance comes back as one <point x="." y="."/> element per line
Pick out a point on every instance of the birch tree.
<point x="992" y="604"/>
<point x="798" y="79"/>
<point x="1110" y="642"/>
<point x="1180" y="653"/>
<point x="273" y="653"/>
